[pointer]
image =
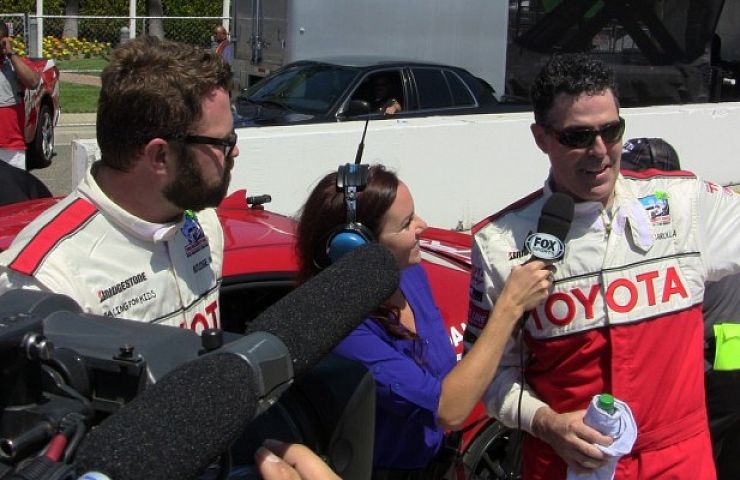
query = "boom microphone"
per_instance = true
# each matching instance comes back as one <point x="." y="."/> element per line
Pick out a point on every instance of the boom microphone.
<point x="179" y="425"/>
<point x="331" y="304"/>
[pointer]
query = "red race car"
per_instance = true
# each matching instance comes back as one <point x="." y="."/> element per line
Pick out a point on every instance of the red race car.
<point x="42" y="114"/>
<point x="259" y="268"/>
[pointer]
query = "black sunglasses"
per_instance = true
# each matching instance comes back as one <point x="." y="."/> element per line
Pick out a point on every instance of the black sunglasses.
<point x="228" y="144"/>
<point x="584" y="137"/>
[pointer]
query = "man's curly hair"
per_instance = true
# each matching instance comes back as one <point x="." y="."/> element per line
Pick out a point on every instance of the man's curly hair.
<point x="572" y="74"/>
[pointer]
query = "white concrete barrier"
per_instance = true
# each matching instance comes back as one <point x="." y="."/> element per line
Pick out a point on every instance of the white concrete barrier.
<point x="84" y="153"/>
<point x="459" y="168"/>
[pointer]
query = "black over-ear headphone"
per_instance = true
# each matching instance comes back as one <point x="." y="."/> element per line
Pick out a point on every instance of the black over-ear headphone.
<point x="351" y="179"/>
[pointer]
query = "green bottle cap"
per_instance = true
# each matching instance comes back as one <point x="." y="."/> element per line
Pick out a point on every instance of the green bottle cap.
<point x="606" y="402"/>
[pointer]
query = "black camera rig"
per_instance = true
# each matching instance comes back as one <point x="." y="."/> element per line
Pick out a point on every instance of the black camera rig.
<point x="63" y="371"/>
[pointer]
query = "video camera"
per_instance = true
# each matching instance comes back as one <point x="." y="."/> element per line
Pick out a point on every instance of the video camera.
<point x="64" y="371"/>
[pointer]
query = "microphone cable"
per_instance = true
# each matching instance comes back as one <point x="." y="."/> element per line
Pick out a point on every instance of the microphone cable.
<point x="521" y="380"/>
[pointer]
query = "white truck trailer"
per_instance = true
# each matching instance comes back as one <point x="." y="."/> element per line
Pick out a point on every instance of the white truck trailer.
<point x="676" y="63"/>
<point x="270" y="33"/>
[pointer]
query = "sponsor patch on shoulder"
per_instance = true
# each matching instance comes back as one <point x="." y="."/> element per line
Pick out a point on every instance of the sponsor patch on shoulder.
<point x="194" y="235"/>
<point x="657" y="207"/>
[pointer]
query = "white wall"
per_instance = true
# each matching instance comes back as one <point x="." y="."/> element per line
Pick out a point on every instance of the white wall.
<point x="461" y="168"/>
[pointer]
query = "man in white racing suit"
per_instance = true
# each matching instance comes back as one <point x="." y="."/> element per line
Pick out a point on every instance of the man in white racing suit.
<point x="139" y="238"/>
<point x="624" y="315"/>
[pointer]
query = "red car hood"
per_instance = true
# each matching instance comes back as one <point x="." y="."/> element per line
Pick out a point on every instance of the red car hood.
<point x="255" y="239"/>
<point x="14" y="217"/>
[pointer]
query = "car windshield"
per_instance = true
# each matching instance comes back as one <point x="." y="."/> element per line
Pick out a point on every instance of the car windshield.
<point x="311" y="88"/>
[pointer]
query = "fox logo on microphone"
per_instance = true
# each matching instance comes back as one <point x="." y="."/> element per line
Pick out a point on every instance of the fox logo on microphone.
<point x="545" y="246"/>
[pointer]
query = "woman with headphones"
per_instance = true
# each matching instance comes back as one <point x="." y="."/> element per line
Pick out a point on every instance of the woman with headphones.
<point x="421" y="390"/>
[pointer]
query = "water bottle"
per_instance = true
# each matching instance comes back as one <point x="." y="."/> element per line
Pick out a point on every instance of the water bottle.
<point x="606" y="403"/>
<point x="601" y="414"/>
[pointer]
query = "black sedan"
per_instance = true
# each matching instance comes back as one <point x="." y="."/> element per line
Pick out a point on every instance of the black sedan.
<point x="314" y="91"/>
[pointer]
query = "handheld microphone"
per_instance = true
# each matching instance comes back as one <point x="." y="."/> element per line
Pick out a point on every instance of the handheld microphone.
<point x="179" y="425"/>
<point x="548" y="243"/>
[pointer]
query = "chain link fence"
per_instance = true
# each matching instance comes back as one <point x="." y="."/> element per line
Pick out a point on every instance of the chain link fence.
<point x="69" y="38"/>
<point x="17" y="24"/>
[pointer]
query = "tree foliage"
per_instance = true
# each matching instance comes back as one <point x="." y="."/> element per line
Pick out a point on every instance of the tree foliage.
<point x="116" y="7"/>
<point x="192" y="31"/>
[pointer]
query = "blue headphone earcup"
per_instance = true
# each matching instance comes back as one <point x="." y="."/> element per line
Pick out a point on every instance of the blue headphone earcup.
<point x="344" y="242"/>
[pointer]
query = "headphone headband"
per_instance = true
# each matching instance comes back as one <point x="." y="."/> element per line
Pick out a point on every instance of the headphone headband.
<point x="351" y="179"/>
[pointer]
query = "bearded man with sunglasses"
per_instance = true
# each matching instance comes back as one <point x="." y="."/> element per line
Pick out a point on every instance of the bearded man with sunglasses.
<point x="138" y="238"/>
<point x="624" y="315"/>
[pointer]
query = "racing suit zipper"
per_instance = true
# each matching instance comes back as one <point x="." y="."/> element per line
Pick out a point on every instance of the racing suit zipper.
<point x="607" y="220"/>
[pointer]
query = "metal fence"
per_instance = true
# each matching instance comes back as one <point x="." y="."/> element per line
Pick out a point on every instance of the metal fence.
<point x="17" y="24"/>
<point x="66" y="37"/>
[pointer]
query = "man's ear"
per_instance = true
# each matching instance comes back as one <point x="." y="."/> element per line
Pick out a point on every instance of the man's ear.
<point x="540" y="137"/>
<point x="155" y="155"/>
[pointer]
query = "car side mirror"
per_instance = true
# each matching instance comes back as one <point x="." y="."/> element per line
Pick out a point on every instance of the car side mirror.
<point x="357" y="108"/>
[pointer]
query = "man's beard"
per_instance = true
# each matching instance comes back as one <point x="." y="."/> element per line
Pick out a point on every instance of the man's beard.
<point x="190" y="191"/>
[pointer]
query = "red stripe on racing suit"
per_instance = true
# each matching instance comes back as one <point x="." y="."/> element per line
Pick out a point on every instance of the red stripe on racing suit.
<point x="70" y="219"/>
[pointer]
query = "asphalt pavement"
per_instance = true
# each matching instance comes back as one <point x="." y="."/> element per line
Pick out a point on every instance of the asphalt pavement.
<point x="59" y="176"/>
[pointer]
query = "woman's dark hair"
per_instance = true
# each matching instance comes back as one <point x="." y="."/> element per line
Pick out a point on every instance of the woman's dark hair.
<point x="324" y="213"/>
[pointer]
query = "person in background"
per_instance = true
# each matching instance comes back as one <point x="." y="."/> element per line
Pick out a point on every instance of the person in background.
<point x="139" y="237"/>
<point x="382" y="99"/>
<point x="223" y="44"/>
<point x="18" y="185"/>
<point x="15" y="77"/>
<point x="624" y="316"/>
<point x="643" y="153"/>
<point x="722" y="376"/>
<point x="721" y="313"/>
<point x="421" y="391"/>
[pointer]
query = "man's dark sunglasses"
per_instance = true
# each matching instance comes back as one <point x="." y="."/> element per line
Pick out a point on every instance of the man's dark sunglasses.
<point x="228" y="144"/>
<point x="584" y="137"/>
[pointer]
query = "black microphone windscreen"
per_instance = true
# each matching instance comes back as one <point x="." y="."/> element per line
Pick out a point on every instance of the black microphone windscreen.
<point x="312" y="319"/>
<point x="176" y="427"/>
<point x="556" y="215"/>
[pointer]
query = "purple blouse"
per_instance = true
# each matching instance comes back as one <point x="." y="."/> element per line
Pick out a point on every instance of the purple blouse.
<point x="407" y="435"/>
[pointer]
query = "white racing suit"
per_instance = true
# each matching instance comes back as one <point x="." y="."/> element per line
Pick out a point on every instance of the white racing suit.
<point x="624" y="316"/>
<point x="115" y="264"/>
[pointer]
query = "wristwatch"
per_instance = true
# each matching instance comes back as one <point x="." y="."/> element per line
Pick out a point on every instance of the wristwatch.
<point x="9" y="54"/>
